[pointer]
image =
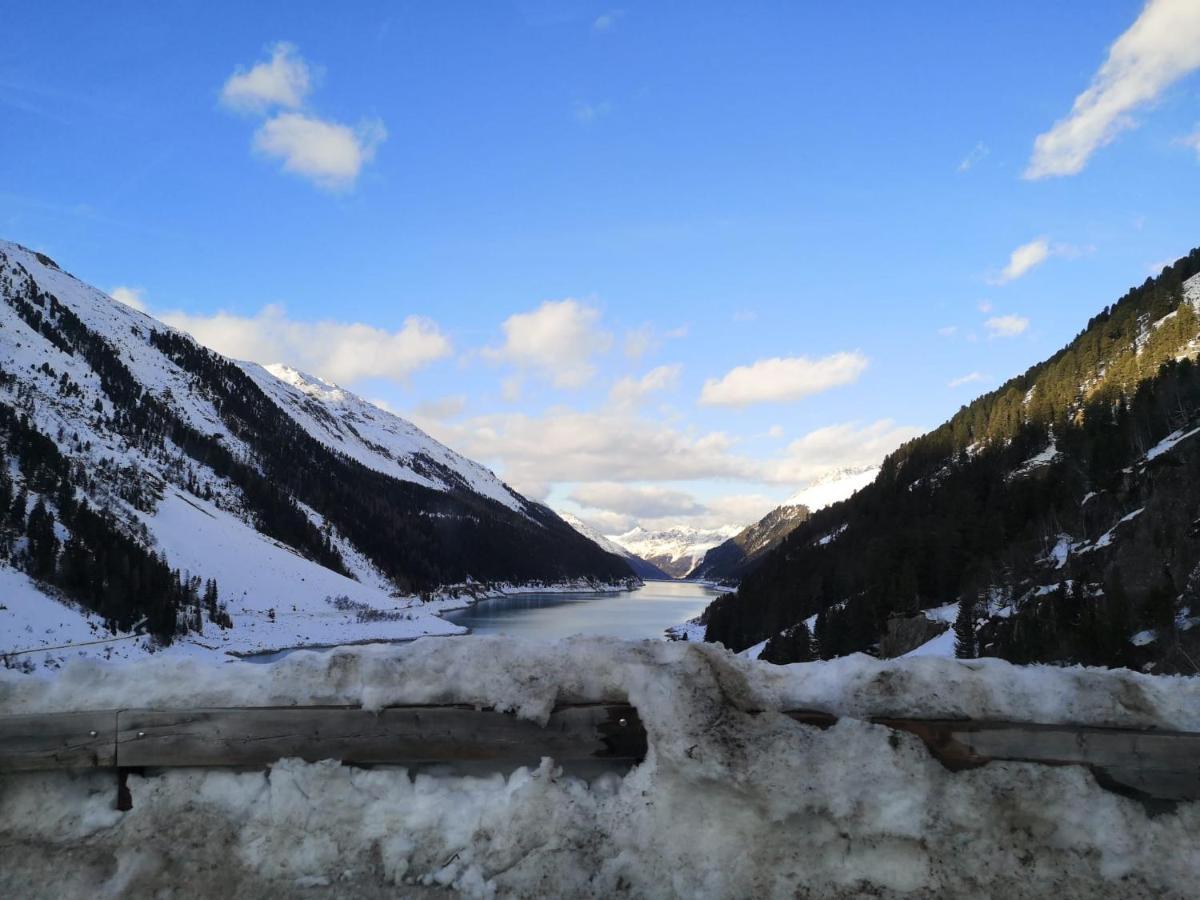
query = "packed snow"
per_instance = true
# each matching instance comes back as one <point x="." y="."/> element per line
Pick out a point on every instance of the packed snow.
<point x="733" y="799"/>
<point x="1167" y="444"/>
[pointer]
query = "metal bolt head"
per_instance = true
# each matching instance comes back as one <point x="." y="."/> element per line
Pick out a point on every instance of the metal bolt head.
<point x="622" y="722"/>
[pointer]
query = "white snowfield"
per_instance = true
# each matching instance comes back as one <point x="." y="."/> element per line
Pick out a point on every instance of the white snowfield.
<point x="674" y="544"/>
<point x="733" y="800"/>
<point x="374" y="437"/>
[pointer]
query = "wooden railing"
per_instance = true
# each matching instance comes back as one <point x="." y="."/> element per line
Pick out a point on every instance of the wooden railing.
<point x="1151" y="765"/>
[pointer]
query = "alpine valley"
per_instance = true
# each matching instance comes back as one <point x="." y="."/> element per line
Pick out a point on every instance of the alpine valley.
<point x="154" y="492"/>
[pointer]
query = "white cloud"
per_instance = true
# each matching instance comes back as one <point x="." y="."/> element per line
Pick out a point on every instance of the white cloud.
<point x="564" y="445"/>
<point x="607" y="20"/>
<point x="948" y="331"/>
<point x="985" y="306"/>
<point x="559" y="339"/>
<point x="1006" y="326"/>
<point x="130" y="296"/>
<point x="977" y="154"/>
<point x="775" y="431"/>
<point x="1022" y="260"/>
<point x="327" y="153"/>
<point x="745" y="315"/>
<point x="284" y="81"/>
<point x="341" y="352"/>
<point x="644" y="502"/>
<point x="779" y="379"/>
<point x="630" y="391"/>
<point x="680" y="331"/>
<point x="1161" y="46"/>
<point x="836" y="447"/>
<point x="967" y="379"/>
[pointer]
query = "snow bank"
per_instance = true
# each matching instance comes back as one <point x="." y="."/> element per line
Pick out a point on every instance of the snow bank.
<point x="733" y="799"/>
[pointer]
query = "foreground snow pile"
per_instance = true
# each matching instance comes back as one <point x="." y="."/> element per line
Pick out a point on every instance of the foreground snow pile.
<point x="733" y="799"/>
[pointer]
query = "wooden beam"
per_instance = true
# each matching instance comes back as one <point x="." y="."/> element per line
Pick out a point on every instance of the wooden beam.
<point x="1160" y="765"/>
<point x="72" y="740"/>
<point x="610" y="734"/>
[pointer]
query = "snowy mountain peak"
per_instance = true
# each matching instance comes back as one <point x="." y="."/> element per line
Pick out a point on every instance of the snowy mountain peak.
<point x="677" y="551"/>
<point x="375" y="437"/>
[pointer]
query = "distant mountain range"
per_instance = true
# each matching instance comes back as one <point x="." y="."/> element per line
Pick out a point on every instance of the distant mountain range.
<point x="642" y="568"/>
<point x="676" y="551"/>
<point x="1054" y="519"/>
<point x="731" y="560"/>
<point x="147" y="481"/>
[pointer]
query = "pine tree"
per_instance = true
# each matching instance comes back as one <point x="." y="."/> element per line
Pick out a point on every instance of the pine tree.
<point x="966" y="645"/>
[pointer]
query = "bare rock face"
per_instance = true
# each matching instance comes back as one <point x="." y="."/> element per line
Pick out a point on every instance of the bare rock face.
<point x="905" y="633"/>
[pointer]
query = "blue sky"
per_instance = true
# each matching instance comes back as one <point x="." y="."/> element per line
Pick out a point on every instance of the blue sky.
<point x="569" y="238"/>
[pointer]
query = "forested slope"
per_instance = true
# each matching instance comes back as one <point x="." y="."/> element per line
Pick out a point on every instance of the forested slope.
<point x="1061" y="512"/>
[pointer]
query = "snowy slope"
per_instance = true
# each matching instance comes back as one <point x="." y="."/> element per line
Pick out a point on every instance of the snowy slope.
<point x="641" y="567"/>
<point x="376" y="438"/>
<point x="729" y="561"/>
<point x="834" y="488"/>
<point x="677" y="551"/>
<point x="149" y="423"/>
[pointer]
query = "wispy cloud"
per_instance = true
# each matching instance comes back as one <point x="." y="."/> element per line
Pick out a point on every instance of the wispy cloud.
<point x="1191" y="140"/>
<point x="967" y="379"/>
<point x="607" y="20"/>
<point x="948" y="331"/>
<point x="1031" y="255"/>
<point x="781" y="379"/>
<point x="586" y="113"/>
<point x="978" y="153"/>
<point x="1006" y="326"/>
<point x="1161" y="46"/>
<point x="629" y="390"/>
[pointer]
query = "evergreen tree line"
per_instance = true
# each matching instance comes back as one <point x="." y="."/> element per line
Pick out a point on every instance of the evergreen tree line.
<point x="963" y="527"/>
<point x="420" y="537"/>
<point x="97" y="564"/>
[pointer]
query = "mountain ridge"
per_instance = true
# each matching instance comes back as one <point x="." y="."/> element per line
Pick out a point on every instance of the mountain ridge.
<point x="116" y="425"/>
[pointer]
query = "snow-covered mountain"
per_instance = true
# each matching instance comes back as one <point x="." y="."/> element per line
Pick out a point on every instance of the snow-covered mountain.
<point x="834" y="487"/>
<point x="677" y="551"/>
<point x="641" y="567"/>
<point x="138" y="466"/>
<point x="728" y="561"/>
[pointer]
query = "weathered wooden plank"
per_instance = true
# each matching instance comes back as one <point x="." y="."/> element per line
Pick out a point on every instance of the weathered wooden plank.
<point x="398" y="735"/>
<point x="1157" y="764"/>
<point x="58" y="741"/>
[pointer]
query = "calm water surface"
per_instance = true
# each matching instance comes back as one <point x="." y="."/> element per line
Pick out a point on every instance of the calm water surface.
<point x="643" y="613"/>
